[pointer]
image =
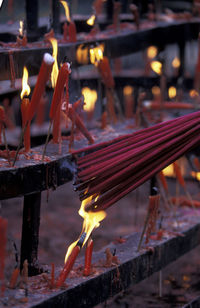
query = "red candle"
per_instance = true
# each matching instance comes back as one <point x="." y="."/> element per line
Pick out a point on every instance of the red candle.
<point x="72" y="32"/>
<point x="43" y="77"/>
<point x="79" y="124"/>
<point x="68" y="266"/>
<point x="24" y="111"/>
<point x="105" y="72"/>
<point x="3" y="240"/>
<point x="65" y="32"/>
<point x="88" y="258"/>
<point x="40" y="117"/>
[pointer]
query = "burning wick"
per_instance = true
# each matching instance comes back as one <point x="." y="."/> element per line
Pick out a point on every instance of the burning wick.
<point x="25" y="104"/>
<point x="21" y="38"/>
<point x="69" y="28"/>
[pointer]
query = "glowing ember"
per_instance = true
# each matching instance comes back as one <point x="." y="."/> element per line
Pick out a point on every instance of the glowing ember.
<point x="91" y="221"/>
<point x="156" y="66"/>
<point x="172" y="92"/>
<point x="128" y="90"/>
<point x="54" y="73"/>
<point x="91" y="20"/>
<point x="193" y="93"/>
<point x="25" y="87"/>
<point x="155" y="91"/>
<point x="152" y="52"/>
<point x="66" y="7"/>
<point x="21" y="28"/>
<point x="96" y="54"/>
<point x="90" y="97"/>
<point x="169" y="171"/>
<point x="176" y="62"/>
<point x="195" y="175"/>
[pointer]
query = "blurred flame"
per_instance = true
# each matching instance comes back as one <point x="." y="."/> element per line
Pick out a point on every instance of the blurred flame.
<point x="195" y="175"/>
<point x="96" y="54"/>
<point x="21" y="28"/>
<point x="91" y="20"/>
<point x="152" y="52"/>
<point x="90" y="97"/>
<point x="66" y="7"/>
<point x="156" y="66"/>
<point x="193" y="93"/>
<point x="169" y="171"/>
<point x="82" y="54"/>
<point x="172" y="92"/>
<point x="91" y="222"/>
<point x="25" y="87"/>
<point x="54" y="73"/>
<point x="155" y="90"/>
<point x="128" y="90"/>
<point x="176" y="62"/>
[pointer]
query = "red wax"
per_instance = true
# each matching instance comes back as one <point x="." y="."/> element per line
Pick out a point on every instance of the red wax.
<point x="88" y="258"/>
<point x="24" y="110"/>
<point x="68" y="266"/>
<point x="106" y="74"/>
<point x="3" y="240"/>
<point x="43" y="77"/>
<point x="40" y="117"/>
<point x="69" y="32"/>
<point x="2" y="120"/>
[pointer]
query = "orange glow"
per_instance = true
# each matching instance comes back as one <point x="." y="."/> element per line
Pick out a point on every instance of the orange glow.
<point x="152" y="52"/>
<point x="155" y="91"/>
<point x="25" y="87"/>
<point x="96" y="54"/>
<point x="90" y="97"/>
<point x="193" y="93"/>
<point x="128" y="90"/>
<point x="54" y="73"/>
<point x="176" y="62"/>
<point x="91" y="221"/>
<point x="91" y="20"/>
<point x="195" y="175"/>
<point x="156" y="66"/>
<point x="82" y="54"/>
<point x="172" y="92"/>
<point x="66" y="7"/>
<point x="169" y="171"/>
<point x="21" y="28"/>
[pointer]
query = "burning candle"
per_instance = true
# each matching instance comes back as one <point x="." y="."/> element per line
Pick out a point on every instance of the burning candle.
<point x="68" y="266"/>
<point x="88" y="258"/>
<point x="25" y="105"/>
<point x="105" y="72"/>
<point x="176" y="64"/>
<point x="3" y="240"/>
<point x="21" y="39"/>
<point x="90" y="97"/>
<point x="128" y="101"/>
<point x="43" y="77"/>
<point x="69" y="28"/>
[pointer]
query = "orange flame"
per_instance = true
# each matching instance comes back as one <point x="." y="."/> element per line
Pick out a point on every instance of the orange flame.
<point x="176" y="62"/>
<point x="91" y="20"/>
<point x="25" y="87"/>
<point x="128" y="90"/>
<point x="155" y="91"/>
<point x="195" y="175"/>
<point x="54" y="73"/>
<point x="96" y="54"/>
<point x="169" y="171"/>
<point x="156" y="66"/>
<point x="21" y="28"/>
<point x="172" y="92"/>
<point x="193" y="93"/>
<point x="66" y="7"/>
<point x="90" y="97"/>
<point x="91" y="221"/>
<point x="152" y="52"/>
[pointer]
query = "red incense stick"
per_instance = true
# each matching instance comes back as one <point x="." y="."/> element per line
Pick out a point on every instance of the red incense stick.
<point x="88" y="258"/>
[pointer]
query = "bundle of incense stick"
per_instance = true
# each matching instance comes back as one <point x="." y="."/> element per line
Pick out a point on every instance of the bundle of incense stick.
<point x="112" y="169"/>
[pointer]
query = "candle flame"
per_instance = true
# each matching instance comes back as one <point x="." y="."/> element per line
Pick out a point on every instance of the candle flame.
<point x="66" y="7"/>
<point x="21" y="28"/>
<point x="195" y="175"/>
<point x="90" y="97"/>
<point x="169" y="171"/>
<point x="172" y="92"/>
<point x="155" y="91"/>
<point x="176" y="62"/>
<point x="91" y="221"/>
<point x="128" y="90"/>
<point x="193" y="93"/>
<point x="156" y="66"/>
<point x="54" y="73"/>
<point x="25" y="87"/>
<point x="152" y="52"/>
<point x="91" y="20"/>
<point x="96" y="54"/>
